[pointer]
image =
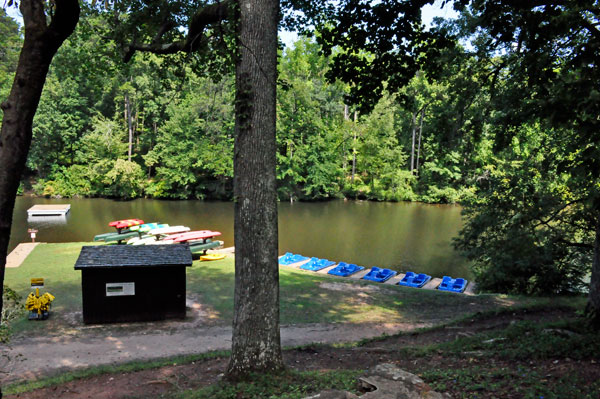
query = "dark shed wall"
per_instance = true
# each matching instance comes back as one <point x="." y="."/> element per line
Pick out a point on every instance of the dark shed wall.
<point x="159" y="288"/>
<point x="159" y="295"/>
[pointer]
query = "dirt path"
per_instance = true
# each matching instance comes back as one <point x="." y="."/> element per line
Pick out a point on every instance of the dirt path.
<point x="18" y="255"/>
<point x="29" y="358"/>
<point x="173" y="379"/>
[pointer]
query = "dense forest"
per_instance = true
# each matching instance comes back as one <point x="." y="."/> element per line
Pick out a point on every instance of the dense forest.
<point x="164" y="130"/>
<point x="472" y="127"/>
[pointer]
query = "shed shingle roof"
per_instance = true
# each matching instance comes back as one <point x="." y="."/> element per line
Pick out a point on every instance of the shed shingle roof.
<point x="108" y="256"/>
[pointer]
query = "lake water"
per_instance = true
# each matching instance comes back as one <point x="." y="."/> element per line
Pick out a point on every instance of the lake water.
<point x="401" y="236"/>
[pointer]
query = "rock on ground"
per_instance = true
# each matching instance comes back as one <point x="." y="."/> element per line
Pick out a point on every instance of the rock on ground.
<point x="386" y="381"/>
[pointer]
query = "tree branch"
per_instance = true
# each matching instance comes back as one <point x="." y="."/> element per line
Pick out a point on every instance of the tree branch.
<point x="165" y="27"/>
<point x="66" y="16"/>
<point x="555" y="214"/>
<point x="591" y="28"/>
<point x="205" y="16"/>
<point x="576" y="244"/>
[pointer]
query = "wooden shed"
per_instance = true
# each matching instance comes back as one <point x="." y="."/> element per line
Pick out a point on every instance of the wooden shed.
<point x="133" y="283"/>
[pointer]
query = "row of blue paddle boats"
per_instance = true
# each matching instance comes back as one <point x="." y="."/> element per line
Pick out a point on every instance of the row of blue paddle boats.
<point x="376" y="274"/>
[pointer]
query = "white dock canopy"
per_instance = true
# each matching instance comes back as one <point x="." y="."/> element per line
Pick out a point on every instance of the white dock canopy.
<point x="49" y="210"/>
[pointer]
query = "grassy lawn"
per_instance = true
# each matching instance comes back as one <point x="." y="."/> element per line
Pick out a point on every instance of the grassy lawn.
<point x="306" y="297"/>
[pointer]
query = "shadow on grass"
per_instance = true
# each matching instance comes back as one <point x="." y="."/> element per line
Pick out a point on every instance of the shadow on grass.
<point x="310" y="298"/>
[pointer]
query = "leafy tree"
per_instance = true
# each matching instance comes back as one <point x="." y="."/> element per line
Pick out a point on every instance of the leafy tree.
<point x="124" y="179"/>
<point x="380" y="44"/>
<point x="256" y="333"/>
<point x="549" y="69"/>
<point x="256" y="342"/>
<point x="10" y="42"/>
<point x="60" y="121"/>
<point x="193" y="154"/>
<point x="526" y="229"/>
<point x="380" y="156"/>
<point x="309" y="125"/>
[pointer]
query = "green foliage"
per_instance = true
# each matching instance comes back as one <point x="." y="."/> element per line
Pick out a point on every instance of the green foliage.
<point x="193" y="154"/>
<point x="12" y="308"/>
<point x="531" y="341"/>
<point x="69" y="182"/>
<point x="10" y="44"/>
<point x="527" y="229"/>
<point x="520" y="381"/>
<point x="61" y="119"/>
<point x="380" y="157"/>
<point x="124" y="180"/>
<point x="309" y="129"/>
<point x="182" y="128"/>
<point x="104" y="142"/>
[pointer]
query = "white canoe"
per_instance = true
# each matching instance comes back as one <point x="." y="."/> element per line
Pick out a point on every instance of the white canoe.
<point x="145" y="241"/>
<point x="168" y="230"/>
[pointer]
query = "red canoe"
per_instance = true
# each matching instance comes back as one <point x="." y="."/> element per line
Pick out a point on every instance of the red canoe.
<point x="120" y="224"/>
<point x="194" y="235"/>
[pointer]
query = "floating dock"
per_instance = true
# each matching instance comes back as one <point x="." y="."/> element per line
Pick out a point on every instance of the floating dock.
<point x="49" y="210"/>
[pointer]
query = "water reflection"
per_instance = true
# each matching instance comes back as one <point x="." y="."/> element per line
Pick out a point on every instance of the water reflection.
<point x="403" y="236"/>
<point x="41" y="222"/>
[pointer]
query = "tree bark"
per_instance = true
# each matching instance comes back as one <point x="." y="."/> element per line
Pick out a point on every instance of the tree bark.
<point x="419" y="140"/>
<point x="412" y="151"/>
<point x="39" y="46"/>
<point x="129" y="126"/>
<point x="344" y="156"/>
<point x="256" y="344"/>
<point x="354" y="149"/>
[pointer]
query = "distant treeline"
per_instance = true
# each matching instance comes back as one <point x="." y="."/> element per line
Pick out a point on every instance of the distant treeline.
<point x="162" y="128"/>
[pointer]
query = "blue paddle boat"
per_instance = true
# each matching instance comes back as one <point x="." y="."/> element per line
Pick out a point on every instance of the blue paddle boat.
<point x="344" y="269"/>
<point x="452" y="284"/>
<point x="379" y="275"/>
<point x="290" y="258"/>
<point x="316" y="264"/>
<point x="412" y="279"/>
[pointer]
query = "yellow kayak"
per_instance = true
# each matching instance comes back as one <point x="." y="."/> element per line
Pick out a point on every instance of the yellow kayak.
<point x="212" y="257"/>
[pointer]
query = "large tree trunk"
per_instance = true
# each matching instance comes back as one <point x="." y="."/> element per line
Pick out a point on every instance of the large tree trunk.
<point x="40" y="44"/>
<point x="593" y="306"/>
<point x="256" y="342"/>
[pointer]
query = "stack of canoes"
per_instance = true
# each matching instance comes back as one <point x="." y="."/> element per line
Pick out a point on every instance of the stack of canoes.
<point x="199" y="241"/>
<point x="156" y="235"/>
<point x="123" y="232"/>
<point x="136" y="232"/>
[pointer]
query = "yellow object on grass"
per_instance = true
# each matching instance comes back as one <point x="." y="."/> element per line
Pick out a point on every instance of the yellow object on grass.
<point x="39" y="304"/>
<point x="212" y="257"/>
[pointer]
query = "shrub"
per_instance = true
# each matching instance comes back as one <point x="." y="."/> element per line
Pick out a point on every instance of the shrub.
<point x="12" y="308"/>
<point x="125" y="180"/>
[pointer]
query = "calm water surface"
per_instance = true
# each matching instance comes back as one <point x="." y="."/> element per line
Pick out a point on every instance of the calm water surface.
<point x="401" y="236"/>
